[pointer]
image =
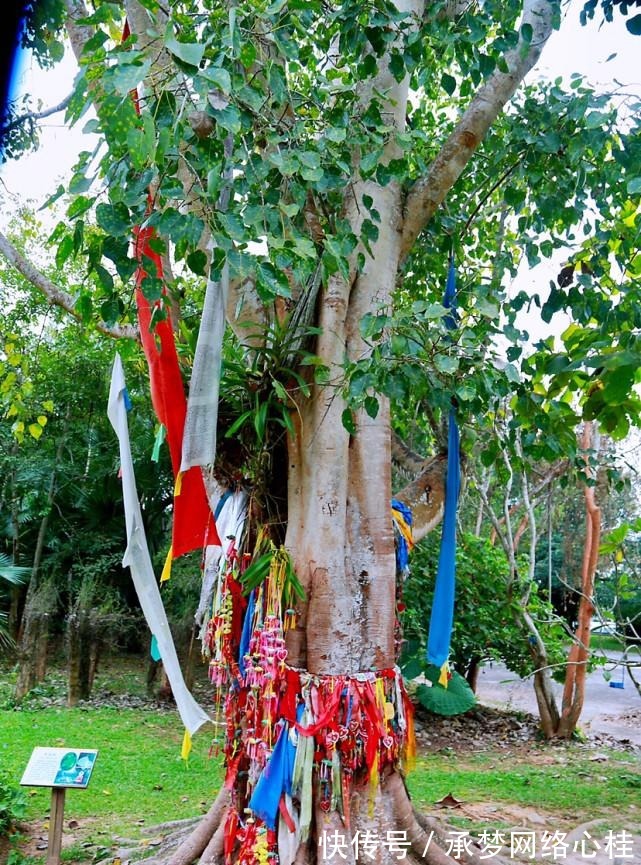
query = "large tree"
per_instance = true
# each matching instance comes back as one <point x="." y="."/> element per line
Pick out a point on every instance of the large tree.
<point x="318" y="161"/>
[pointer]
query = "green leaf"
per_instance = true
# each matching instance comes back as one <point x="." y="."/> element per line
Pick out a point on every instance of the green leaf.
<point x="84" y="306"/>
<point x="633" y="25"/>
<point x="371" y="406"/>
<point x="397" y="66"/>
<point x="127" y="77"/>
<point x="448" y="83"/>
<point x="228" y="118"/>
<point x="634" y="184"/>
<point x="260" y="420"/>
<point x="273" y="280"/>
<point x="65" y="248"/>
<point x="219" y="77"/>
<point x="35" y="430"/>
<point x="190" y="53"/>
<point x="238" y="423"/>
<point x="197" y="262"/>
<point x="53" y="198"/>
<point x="110" y="310"/>
<point x="79" y="205"/>
<point x="348" y="421"/>
<point x="113" y="218"/>
<point x="527" y="33"/>
<point x="446" y="363"/>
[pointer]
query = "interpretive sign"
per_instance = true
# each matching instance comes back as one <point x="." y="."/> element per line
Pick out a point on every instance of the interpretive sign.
<point x="59" y="767"/>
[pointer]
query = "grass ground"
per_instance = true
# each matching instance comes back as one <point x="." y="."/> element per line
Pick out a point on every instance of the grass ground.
<point x="139" y="774"/>
<point x="140" y="781"/>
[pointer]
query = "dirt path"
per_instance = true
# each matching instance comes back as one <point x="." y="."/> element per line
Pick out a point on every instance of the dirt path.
<point x="612" y="711"/>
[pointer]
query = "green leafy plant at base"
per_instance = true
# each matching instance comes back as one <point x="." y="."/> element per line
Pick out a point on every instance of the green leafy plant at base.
<point x="13" y="804"/>
<point x="454" y="699"/>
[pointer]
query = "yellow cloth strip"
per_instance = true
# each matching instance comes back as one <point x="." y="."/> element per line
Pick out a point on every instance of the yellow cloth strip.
<point x="186" y="746"/>
<point x="166" y="571"/>
<point x="403" y="527"/>
<point x="410" y="744"/>
<point x="178" y="485"/>
<point x="444" y="678"/>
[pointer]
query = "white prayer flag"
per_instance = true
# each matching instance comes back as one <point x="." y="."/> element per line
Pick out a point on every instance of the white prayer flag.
<point x="137" y="558"/>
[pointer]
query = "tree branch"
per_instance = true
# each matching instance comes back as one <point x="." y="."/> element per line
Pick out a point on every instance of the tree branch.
<point x="405" y="457"/>
<point x="32" y="116"/>
<point x="429" y="192"/>
<point x="55" y="294"/>
<point x="79" y="34"/>
<point x="425" y="495"/>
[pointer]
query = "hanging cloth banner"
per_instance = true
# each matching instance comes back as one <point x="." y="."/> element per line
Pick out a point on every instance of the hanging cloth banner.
<point x="442" y="617"/>
<point x="193" y="525"/>
<point x="402" y="516"/>
<point x="199" y="439"/>
<point x="230" y="516"/>
<point x="137" y="558"/>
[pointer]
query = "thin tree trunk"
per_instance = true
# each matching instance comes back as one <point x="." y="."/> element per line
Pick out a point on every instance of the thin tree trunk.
<point x="32" y="653"/>
<point x="29" y="631"/>
<point x="574" y="690"/>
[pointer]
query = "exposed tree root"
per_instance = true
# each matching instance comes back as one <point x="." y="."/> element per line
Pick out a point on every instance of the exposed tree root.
<point x="195" y="844"/>
<point x="427" y="835"/>
<point x="172" y="825"/>
<point x="213" y="852"/>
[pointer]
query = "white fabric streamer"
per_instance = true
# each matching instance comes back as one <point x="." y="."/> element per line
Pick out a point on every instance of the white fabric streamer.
<point x="230" y="524"/>
<point x="199" y="436"/>
<point x="137" y="558"/>
<point x="288" y="842"/>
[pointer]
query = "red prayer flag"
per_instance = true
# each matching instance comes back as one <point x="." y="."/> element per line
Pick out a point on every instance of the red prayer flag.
<point x="193" y="522"/>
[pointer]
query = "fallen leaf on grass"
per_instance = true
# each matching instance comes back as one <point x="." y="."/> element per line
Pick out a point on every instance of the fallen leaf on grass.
<point x="449" y="801"/>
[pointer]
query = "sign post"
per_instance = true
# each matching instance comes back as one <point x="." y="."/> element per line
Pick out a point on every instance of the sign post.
<point x="58" y="768"/>
<point x="56" y="818"/>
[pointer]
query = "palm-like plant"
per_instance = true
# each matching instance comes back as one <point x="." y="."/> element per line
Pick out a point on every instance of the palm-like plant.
<point x="14" y="574"/>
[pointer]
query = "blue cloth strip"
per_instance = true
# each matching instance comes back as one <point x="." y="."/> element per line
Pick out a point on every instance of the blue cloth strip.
<point x="246" y="633"/>
<point x="275" y="779"/>
<point x="442" y="617"/>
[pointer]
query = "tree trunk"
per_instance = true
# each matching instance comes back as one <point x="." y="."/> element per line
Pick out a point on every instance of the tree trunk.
<point x="32" y="650"/>
<point x="164" y="694"/>
<point x="85" y="630"/>
<point x="152" y="673"/>
<point x="574" y="690"/>
<point x="30" y="631"/>
<point x="472" y="672"/>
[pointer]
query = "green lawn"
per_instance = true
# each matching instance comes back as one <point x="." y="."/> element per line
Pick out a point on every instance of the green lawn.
<point x="578" y="789"/>
<point x="138" y="775"/>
